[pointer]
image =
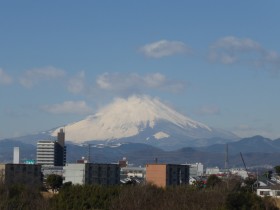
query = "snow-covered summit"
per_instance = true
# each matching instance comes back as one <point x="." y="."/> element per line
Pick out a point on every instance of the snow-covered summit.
<point x="130" y="117"/>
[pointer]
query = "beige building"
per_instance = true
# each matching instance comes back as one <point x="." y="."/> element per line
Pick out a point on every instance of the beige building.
<point x="164" y="175"/>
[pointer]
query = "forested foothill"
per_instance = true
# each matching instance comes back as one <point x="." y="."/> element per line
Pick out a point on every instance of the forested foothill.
<point x="217" y="195"/>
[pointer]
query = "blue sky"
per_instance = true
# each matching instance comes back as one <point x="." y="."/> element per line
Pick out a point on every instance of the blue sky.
<point x="218" y="63"/>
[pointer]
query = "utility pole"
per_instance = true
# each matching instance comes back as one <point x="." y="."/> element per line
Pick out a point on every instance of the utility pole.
<point x="226" y="163"/>
<point x="226" y="158"/>
<point x="89" y="145"/>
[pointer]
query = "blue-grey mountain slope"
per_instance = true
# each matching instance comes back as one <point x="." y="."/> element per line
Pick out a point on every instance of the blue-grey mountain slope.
<point x="254" y="144"/>
<point x="141" y="154"/>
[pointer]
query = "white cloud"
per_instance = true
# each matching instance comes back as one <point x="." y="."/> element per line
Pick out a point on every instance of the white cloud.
<point x="117" y="82"/>
<point x="232" y="43"/>
<point x="34" y="76"/>
<point x="68" y="107"/>
<point x="209" y="110"/>
<point x="154" y="80"/>
<point x="5" y="79"/>
<point x="136" y="83"/>
<point x="123" y="84"/>
<point x="104" y="81"/>
<point x="230" y="50"/>
<point x="244" y="130"/>
<point x="164" y="48"/>
<point x="77" y="84"/>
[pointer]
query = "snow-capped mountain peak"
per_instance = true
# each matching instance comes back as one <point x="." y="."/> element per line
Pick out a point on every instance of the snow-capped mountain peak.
<point x="144" y="111"/>
<point x="125" y="118"/>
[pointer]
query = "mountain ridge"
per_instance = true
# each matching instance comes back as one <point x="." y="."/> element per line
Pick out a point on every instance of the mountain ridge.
<point x="141" y="154"/>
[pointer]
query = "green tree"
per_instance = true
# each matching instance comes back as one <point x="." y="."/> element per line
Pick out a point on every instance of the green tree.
<point x="277" y="170"/>
<point x="249" y="184"/>
<point x="19" y="196"/>
<point x="268" y="174"/>
<point x="213" y="181"/>
<point x="243" y="200"/>
<point x="67" y="185"/>
<point x="54" y="181"/>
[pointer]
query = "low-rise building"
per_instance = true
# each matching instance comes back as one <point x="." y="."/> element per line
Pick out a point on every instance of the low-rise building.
<point x="273" y="191"/>
<point x="123" y="163"/>
<point x="92" y="173"/>
<point x="132" y="175"/>
<point x="164" y="175"/>
<point x="129" y="171"/>
<point x="75" y="173"/>
<point x="239" y="172"/>
<point x="214" y="170"/>
<point x="196" y="169"/>
<point x="29" y="174"/>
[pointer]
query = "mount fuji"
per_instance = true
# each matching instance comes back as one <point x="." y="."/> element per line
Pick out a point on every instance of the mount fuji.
<point x="142" y="119"/>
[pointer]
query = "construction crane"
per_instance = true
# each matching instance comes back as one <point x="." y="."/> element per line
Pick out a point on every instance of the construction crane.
<point x="244" y="164"/>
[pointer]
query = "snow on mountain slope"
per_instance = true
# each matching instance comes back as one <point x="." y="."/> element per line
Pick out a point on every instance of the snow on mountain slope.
<point x="126" y="118"/>
<point x="160" y="135"/>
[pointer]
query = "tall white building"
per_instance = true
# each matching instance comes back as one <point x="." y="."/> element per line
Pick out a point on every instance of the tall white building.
<point x="16" y="155"/>
<point x="52" y="153"/>
<point x="46" y="152"/>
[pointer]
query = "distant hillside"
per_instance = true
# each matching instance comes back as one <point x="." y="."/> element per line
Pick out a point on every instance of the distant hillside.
<point x="27" y="151"/>
<point x="253" y="144"/>
<point x="256" y="151"/>
<point x="141" y="154"/>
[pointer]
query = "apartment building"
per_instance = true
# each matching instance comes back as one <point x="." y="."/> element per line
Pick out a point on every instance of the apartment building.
<point x="92" y="173"/>
<point x="164" y="175"/>
<point x="29" y="174"/>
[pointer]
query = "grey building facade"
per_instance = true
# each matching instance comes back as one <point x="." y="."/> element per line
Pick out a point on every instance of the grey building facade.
<point x="29" y="174"/>
<point x="92" y="173"/>
<point x="177" y="174"/>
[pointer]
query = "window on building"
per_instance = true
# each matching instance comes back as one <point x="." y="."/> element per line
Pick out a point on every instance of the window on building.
<point x="264" y="192"/>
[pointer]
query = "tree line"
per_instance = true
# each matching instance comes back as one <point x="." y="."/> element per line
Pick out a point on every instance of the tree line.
<point x="217" y="194"/>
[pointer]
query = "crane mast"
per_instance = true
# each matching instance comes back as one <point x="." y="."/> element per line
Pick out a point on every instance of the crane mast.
<point x="244" y="164"/>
